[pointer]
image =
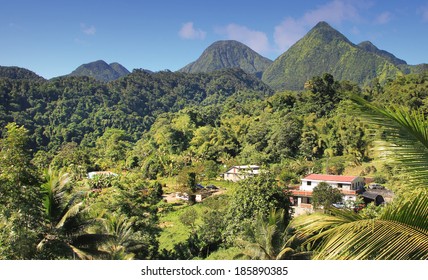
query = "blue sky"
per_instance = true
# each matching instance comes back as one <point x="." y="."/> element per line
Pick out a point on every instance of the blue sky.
<point x="52" y="38"/>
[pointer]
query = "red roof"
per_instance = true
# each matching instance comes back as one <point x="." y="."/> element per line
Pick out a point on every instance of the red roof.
<point x="330" y="178"/>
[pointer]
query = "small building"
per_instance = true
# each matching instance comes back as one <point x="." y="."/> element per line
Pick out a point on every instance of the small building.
<point x="240" y="172"/>
<point x="202" y="195"/>
<point x="199" y="196"/>
<point x="372" y="197"/>
<point x="350" y="186"/>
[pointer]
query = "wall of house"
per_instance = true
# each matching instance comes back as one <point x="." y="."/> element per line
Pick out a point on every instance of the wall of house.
<point x="345" y="186"/>
<point x="232" y="177"/>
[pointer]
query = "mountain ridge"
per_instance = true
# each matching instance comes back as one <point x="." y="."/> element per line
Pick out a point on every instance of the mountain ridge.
<point x="370" y="47"/>
<point x="325" y="50"/>
<point x="322" y="50"/>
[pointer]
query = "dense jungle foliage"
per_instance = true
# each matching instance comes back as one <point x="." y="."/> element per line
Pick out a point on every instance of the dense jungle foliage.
<point x="152" y="127"/>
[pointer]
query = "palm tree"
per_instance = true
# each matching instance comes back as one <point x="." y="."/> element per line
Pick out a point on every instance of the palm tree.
<point x="65" y="232"/>
<point x="400" y="231"/>
<point x="124" y="240"/>
<point x="271" y="239"/>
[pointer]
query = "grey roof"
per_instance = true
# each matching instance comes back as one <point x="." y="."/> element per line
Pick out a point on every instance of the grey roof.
<point x="370" y="195"/>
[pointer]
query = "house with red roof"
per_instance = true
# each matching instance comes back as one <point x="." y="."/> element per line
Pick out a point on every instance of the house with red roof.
<point x="350" y="186"/>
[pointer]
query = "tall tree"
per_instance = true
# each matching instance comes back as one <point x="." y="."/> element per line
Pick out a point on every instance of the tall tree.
<point x="20" y="199"/>
<point x="254" y="196"/>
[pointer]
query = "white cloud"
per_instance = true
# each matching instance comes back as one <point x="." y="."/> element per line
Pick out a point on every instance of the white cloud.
<point x="256" y="40"/>
<point x="336" y="12"/>
<point x="424" y="13"/>
<point x="291" y="30"/>
<point x="188" y="31"/>
<point x="383" y="18"/>
<point x="287" y="33"/>
<point x="88" y="30"/>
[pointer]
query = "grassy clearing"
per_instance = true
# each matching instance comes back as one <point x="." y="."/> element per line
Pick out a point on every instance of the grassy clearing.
<point x="171" y="184"/>
<point x="173" y="231"/>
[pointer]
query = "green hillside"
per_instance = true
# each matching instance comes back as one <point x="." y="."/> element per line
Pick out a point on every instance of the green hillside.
<point x="101" y="71"/>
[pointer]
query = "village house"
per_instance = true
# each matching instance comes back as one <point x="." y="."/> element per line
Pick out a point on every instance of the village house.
<point x="240" y="172"/>
<point x="350" y="186"/>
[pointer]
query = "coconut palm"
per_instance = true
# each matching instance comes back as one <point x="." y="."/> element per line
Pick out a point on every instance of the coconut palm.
<point x="400" y="231"/>
<point x="65" y="232"/>
<point x="271" y="239"/>
<point x="124" y="239"/>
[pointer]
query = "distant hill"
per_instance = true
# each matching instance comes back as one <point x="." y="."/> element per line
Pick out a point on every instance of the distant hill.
<point x="228" y="54"/>
<point x="119" y="69"/>
<point x="368" y="46"/>
<point x="325" y="50"/>
<point x="17" y="73"/>
<point x="101" y="71"/>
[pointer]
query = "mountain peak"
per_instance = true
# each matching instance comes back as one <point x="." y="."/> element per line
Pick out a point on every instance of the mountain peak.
<point x="326" y="33"/>
<point x="101" y="71"/>
<point x="228" y="54"/>
<point x="322" y="24"/>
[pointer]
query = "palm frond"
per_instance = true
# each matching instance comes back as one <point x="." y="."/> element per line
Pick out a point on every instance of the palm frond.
<point x="81" y="254"/>
<point x="285" y="253"/>
<point x="72" y="211"/>
<point x="399" y="233"/>
<point x="405" y="134"/>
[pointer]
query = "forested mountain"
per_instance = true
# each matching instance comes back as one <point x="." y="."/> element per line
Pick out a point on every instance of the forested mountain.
<point x="228" y="54"/>
<point x="101" y="71"/>
<point x="13" y="72"/>
<point x="325" y="50"/>
<point x="76" y="109"/>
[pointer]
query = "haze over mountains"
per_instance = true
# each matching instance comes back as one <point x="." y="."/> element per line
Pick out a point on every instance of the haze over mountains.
<point x="322" y="50"/>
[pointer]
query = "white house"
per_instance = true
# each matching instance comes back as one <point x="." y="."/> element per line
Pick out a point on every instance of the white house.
<point x="240" y="172"/>
<point x="349" y="186"/>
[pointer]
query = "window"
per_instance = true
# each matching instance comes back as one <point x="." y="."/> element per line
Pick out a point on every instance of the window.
<point x="339" y="186"/>
<point x="306" y="200"/>
<point x="308" y="183"/>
